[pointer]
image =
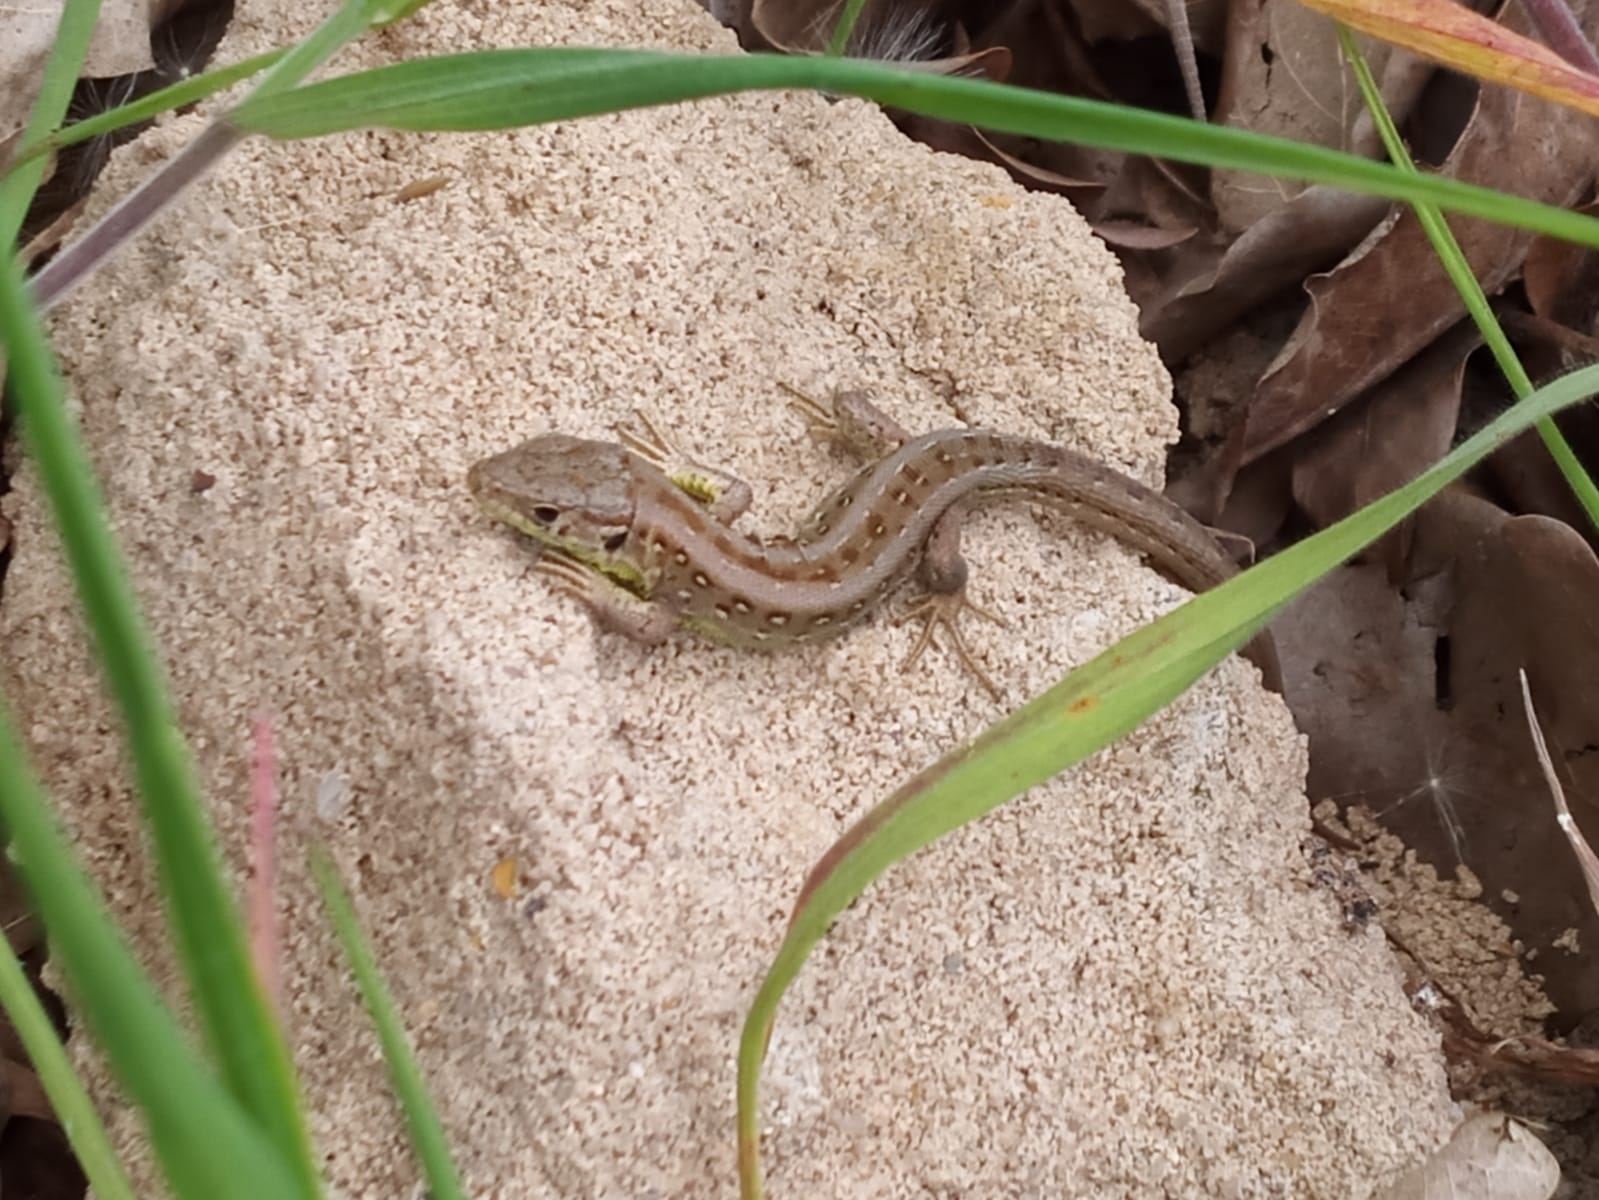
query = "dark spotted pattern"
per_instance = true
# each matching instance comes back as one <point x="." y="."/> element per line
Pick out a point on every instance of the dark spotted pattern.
<point x="870" y="533"/>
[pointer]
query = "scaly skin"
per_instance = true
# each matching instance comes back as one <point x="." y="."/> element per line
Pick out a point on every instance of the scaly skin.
<point x="647" y="542"/>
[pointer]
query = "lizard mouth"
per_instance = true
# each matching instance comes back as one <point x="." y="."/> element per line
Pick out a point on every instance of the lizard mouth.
<point x="510" y="514"/>
<point x="597" y="558"/>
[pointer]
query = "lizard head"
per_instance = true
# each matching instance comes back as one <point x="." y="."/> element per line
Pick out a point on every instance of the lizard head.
<point x="574" y="495"/>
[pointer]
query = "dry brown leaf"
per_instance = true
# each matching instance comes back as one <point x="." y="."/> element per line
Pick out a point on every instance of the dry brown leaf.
<point x="1412" y="707"/>
<point x="1217" y="285"/>
<point x="1489" y="1157"/>
<point x="1393" y="434"/>
<point x="1358" y="671"/>
<point x="121" y="46"/>
<point x="1165" y="195"/>
<point x="1048" y="52"/>
<point x="1051" y="53"/>
<point x="1562" y="279"/>
<point x="787" y="27"/>
<point x="1284" y="74"/>
<point x="1529" y="480"/>
<point x="1523" y="471"/>
<point x="1391" y="297"/>
<point x="1034" y="176"/>
<point x="1523" y="597"/>
<point x="1258" y="502"/>
<point x="24" y="1094"/>
<point x="1130" y="235"/>
<point x="1539" y="334"/>
<point x="16" y="913"/>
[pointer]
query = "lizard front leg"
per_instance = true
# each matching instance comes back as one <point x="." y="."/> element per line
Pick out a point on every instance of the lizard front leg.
<point x="725" y="496"/>
<point x="613" y="607"/>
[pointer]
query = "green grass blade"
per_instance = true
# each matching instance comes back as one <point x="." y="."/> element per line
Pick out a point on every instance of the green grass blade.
<point x="1087" y="710"/>
<point x="189" y="91"/>
<point x="427" y="1135"/>
<point x="198" y="87"/>
<point x="240" y="1027"/>
<point x="55" y="93"/>
<point x="348" y="22"/>
<point x="501" y="89"/>
<point x="84" y="256"/>
<point x="1471" y="293"/>
<point x="207" y="1144"/>
<point x="61" y="1083"/>
<point x="848" y="18"/>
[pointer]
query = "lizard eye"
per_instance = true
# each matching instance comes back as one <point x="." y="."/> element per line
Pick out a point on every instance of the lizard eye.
<point x="545" y="514"/>
<point x="615" y="542"/>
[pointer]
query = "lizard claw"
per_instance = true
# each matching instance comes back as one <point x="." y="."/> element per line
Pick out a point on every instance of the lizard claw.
<point x="851" y="422"/>
<point x="611" y="605"/>
<point x="724" y="494"/>
<point x="819" y="420"/>
<point x="942" y="610"/>
<point x="566" y="575"/>
<point x="644" y="438"/>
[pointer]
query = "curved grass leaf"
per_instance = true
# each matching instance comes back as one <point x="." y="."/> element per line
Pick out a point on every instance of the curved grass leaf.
<point x="55" y="92"/>
<point x="208" y="1145"/>
<point x="240" y="1027"/>
<point x="1458" y="269"/>
<point x="421" y="1121"/>
<point x="84" y="256"/>
<point x="1090" y="708"/>
<point x="68" y="1098"/>
<point x="844" y="28"/>
<point x="349" y="21"/>
<point x="167" y="99"/>
<point x="200" y="1132"/>
<point x="503" y="89"/>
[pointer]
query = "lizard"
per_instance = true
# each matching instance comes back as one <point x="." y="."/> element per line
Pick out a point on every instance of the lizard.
<point x="644" y="537"/>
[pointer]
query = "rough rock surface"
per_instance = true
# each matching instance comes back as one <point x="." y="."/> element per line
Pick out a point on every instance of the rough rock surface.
<point x="1122" y="984"/>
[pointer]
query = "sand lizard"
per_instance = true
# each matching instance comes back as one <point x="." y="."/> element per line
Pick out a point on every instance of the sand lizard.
<point x="645" y="540"/>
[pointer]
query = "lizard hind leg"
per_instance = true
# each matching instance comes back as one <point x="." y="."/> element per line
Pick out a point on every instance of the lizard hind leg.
<point x="942" y="611"/>
<point x="856" y="425"/>
<point x="852" y="423"/>
<point x="944" y="573"/>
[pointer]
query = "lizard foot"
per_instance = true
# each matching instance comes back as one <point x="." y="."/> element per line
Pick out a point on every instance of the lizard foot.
<point x="851" y="422"/>
<point x="611" y="605"/>
<point x="644" y="438"/>
<point x="818" y="418"/>
<point x="723" y="493"/>
<point x="942" y="610"/>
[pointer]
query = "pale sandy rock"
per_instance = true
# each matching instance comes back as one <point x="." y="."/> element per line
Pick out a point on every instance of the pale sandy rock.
<point x="1122" y="985"/>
